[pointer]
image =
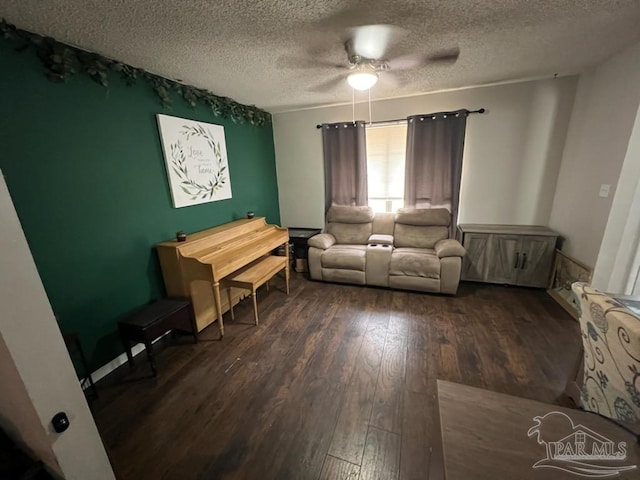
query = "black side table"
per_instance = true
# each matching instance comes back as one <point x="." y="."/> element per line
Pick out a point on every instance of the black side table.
<point x="299" y="238"/>
<point x="154" y="320"/>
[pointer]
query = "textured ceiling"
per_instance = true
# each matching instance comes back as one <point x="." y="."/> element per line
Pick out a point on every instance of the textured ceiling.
<point x="282" y="54"/>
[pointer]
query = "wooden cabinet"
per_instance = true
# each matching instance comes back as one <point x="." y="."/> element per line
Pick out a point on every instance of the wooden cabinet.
<point x="508" y="254"/>
<point x="476" y="246"/>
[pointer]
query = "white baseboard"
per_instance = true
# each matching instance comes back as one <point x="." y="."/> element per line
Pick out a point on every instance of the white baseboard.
<point x="121" y="359"/>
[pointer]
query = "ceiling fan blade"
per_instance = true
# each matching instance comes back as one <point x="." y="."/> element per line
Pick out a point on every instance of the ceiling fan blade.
<point x="371" y="41"/>
<point x="329" y="85"/>
<point x="405" y="62"/>
<point x="307" y="63"/>
<point x="391" y="80"/>
<point x="449" y="55"/>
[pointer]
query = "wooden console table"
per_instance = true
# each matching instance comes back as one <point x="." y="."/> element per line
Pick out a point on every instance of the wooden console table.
<point x="508" y="254"/>
<point x="484" y="436"/>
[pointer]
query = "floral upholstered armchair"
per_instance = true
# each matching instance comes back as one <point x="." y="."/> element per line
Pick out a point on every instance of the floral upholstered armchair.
<point x="611" y="341"/>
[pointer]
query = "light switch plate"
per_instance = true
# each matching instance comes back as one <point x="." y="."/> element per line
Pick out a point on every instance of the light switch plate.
<point x="604" y="190"/>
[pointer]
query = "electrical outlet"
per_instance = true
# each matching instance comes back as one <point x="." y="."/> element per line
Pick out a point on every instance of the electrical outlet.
<point x="604" y="190"/>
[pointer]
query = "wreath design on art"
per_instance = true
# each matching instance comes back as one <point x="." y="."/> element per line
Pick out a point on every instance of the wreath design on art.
<point x="179" y="164"/>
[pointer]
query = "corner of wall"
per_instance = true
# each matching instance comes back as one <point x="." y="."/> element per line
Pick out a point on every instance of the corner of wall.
<point x="619" y="249"/>
<point x="600" y="127"/>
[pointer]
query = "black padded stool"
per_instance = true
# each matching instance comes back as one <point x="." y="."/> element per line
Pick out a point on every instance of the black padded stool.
<point x="154" y="320"/>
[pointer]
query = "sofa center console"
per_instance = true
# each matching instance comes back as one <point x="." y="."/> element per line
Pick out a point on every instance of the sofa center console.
<point x="377" y="264"/>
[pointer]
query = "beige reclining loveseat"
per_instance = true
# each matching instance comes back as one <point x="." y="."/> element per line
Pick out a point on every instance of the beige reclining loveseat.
<point x="409" y="250"/>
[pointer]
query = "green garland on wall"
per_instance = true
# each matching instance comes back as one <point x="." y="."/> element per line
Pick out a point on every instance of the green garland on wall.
<point x="62" y="61"/>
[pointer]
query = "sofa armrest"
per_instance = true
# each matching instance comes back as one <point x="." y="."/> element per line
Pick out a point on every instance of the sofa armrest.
<point x="449" y="248"/>
<point x="322" y="241"/>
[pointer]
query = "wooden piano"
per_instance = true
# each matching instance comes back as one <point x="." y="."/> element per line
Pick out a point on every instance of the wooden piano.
<point x="195" y="267"/>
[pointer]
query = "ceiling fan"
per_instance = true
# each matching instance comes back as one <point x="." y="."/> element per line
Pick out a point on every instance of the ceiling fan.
<point x="366" y="48"/>
<point x="363" y="71"/>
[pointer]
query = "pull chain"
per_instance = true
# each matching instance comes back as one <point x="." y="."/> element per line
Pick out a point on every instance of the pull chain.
<point x="353" y="104"/>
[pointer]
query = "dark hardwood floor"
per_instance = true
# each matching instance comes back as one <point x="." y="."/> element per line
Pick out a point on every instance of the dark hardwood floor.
<point x="337" y="382"/>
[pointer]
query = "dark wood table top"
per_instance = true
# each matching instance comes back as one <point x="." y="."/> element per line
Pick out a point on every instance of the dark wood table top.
<point x="295" y="232"/>
<point x="155" y="311"/>
<point x="488" y="435"/>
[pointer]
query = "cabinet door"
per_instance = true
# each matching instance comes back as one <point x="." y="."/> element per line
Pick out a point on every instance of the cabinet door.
<point x="503" y="259"/>
<point x="536" y="261"/>
<point x="474" y="264"/>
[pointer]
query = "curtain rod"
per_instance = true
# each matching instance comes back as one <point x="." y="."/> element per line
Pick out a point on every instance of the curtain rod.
<point x="469" y="112"/>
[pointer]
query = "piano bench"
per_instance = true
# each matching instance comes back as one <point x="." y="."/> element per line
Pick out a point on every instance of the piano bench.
<point x="254" y="275"/>
<point x="152" y="321"/>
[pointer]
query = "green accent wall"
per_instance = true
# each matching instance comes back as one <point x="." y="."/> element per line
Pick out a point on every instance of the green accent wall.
<point x="85" y="170"/>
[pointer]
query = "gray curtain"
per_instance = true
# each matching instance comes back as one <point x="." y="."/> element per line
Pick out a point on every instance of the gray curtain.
<point x="435" y="143"/>
<point x="345" y="164"/>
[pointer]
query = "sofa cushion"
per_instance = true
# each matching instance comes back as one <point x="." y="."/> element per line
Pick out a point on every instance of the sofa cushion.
<point x="383" y="223"/>
<point x="420" y="284"/>
<point x="349" y="257"/>
<point x="423" y="216"/>
<point x="417" y="236"/>
<point x="341" y="275"/>
<point x="349" y="214"/>
<point x="350" y="233"/>
<point x="415" y="262"/>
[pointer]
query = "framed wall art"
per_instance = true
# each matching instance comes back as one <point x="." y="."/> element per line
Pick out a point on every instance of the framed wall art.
<point x="195" y="154"/>
<point x="566" y="271"/>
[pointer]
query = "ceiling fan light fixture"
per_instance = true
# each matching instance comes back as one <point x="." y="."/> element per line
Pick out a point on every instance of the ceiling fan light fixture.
<point x="362" y="80"/>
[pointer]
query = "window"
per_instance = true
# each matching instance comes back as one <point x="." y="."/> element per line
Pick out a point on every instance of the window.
<point x="386" y="147"/>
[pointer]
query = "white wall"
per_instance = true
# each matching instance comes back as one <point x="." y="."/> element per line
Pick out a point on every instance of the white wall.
<point x="622" y="234"/>
<point x="37" y="367"/>
<point x="512" y="152"/>
<point x="599" y="131"/>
